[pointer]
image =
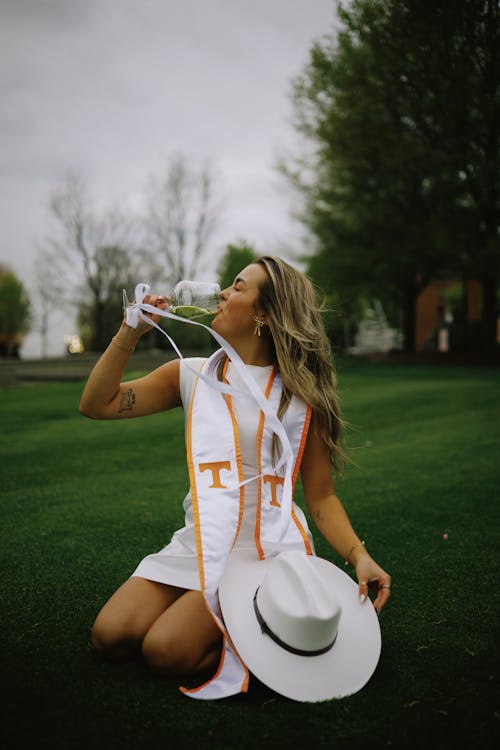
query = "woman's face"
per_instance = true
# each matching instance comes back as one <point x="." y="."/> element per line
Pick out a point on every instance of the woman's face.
<point x="238" y="304"/>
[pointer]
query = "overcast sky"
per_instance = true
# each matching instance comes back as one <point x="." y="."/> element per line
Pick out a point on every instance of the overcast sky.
<point x="112" y="88"/>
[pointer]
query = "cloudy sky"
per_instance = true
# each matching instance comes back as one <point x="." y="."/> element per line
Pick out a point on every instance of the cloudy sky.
<point x="112" y="88"/>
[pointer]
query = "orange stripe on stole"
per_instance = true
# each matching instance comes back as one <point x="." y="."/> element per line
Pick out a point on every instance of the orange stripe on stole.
<point x="229" y="402"/>
<point x="296" y="469"/>
<point x="194" y="492"/>
<point x="260" y="433"/>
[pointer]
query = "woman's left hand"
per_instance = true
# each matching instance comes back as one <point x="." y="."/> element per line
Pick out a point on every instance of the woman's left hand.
<point x="372" y="576"/>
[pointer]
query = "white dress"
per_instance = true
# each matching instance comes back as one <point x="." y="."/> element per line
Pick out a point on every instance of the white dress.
<point x="177" y="563"/>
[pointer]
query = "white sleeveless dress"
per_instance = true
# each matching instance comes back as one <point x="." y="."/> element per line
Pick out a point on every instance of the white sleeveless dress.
<point x="177" y="563"/>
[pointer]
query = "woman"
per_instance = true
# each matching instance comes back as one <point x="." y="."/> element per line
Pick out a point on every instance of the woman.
<point x="269" y="317"/>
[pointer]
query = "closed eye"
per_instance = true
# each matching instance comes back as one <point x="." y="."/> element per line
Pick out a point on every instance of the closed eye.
<point x="237" y="284"/>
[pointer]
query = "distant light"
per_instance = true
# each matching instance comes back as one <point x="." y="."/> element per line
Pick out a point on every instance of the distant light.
<point x="74" y="343"/>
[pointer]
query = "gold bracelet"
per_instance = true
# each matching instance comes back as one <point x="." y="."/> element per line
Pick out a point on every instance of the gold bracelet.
<point x="120" y="346"/>
<point x="355" y="546"/>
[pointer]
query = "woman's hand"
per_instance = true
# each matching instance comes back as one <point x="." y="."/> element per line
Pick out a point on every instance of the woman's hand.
<point x="372" y="576"/>
<point x="159" y="301"/>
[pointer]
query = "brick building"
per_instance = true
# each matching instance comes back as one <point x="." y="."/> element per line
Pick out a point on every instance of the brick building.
<point x="437" y="310"/>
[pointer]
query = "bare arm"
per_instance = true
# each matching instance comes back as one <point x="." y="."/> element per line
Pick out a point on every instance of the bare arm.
<point x="332" y="520"/>
<point x="106" y="397"/>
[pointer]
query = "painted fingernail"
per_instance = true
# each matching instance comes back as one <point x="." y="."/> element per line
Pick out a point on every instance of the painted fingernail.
<point x="362" y="598"/>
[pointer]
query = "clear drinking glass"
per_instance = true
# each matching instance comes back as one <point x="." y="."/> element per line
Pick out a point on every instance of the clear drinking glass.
<point x="194" y="299"/>
<point x="190" y="299"/>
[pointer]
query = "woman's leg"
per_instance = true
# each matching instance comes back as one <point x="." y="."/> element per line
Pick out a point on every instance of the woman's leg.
<point x="184" y="639"/>
<point x="128" y="615"/>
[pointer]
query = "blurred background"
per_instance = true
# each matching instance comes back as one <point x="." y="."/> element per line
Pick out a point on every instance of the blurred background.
<point x="163" y="140"/>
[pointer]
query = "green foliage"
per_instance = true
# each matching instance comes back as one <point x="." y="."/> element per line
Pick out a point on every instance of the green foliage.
<point x="401" y="116"/>
<point x="237" y="256"/>
<point x="84" y="501"/>
<point x="14" y="312"/>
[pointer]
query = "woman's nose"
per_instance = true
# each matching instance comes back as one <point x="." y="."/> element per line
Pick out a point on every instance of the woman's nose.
<point x="224" y="293"/>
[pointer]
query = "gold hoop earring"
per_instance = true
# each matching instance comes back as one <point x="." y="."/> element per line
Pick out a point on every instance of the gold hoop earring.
<point x="259" y="323"/>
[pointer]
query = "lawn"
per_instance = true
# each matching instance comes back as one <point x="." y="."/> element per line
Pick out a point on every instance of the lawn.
<point x="83" y="502"/>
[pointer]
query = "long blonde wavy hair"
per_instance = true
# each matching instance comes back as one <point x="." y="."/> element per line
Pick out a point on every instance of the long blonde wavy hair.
<point x="303" y="350"/>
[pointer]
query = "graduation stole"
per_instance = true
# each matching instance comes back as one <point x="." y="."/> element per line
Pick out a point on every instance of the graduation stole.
<point x="218" y="496"/>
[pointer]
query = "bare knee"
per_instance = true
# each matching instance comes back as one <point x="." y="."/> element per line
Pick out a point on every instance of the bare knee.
<point x="114" y="640"/>
<point x="185" y="640"/>
<point x="173" y="657"/>
<point x="164" y="656"/>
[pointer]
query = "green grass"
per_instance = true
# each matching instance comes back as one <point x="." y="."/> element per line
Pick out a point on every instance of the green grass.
<point x="83" y="502"/>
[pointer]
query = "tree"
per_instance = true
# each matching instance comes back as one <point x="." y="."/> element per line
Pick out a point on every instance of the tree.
<point x="182" y="215"/>
<point x="47" y="290"/>
<point x="401" y="116"/>
<point x="14" y="313"/>
<point x="90" y="259"/>
<point x="100" y="309"/>
<point x="237" y="256"/>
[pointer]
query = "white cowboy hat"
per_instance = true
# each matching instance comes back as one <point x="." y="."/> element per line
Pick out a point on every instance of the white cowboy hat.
<point x="297" y="623"/>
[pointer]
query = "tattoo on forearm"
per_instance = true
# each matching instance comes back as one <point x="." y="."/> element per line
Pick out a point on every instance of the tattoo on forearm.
<point x="319" y="516"/>
<point x="127" y="400"/>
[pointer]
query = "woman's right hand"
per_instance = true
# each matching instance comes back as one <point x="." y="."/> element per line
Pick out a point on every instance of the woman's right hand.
<point x="159" y="301"/>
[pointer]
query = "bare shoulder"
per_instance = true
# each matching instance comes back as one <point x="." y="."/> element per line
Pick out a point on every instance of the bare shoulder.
<point x="162" y="384"/>
<point x="168" y="371"/>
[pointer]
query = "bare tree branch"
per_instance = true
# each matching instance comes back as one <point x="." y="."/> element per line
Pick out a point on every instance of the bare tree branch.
<point x="89" y="258"/>
<point x="182" y="216"/>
